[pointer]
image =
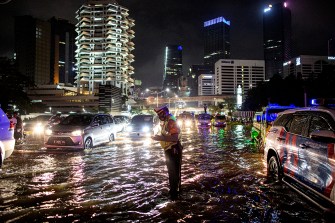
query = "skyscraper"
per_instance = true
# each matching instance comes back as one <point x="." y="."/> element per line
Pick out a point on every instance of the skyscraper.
<point x="32" y="48"/>
<point x="277" y="38"/>
<point x="104" y="46"/>
<point x="216" y="40"/>
<point x="62" y="64"/>
<point x="173" y="67"/>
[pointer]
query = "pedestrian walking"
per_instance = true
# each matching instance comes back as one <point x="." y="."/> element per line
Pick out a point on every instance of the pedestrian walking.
<point x="170" y="142"/>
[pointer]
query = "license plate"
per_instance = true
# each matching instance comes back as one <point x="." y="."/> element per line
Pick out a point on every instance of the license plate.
<point x="59" y="142"/>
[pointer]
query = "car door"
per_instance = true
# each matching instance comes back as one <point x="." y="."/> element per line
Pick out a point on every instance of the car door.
<point x="295" y="135"/>
<point x="97" y="129"/>
<point x="316" y="166"/>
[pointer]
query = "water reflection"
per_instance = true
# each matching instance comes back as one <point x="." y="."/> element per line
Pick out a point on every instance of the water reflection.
<point x="223" y="179"/>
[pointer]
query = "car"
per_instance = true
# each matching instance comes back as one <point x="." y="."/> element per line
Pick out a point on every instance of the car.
<point x="121" y="122"/>
<point x="204" y="120"/>
<point x="220" y="120"/>
<point x="7" y="141"/>
<point x="36" y="126"/>
<point x="143" y="126"/>
<point x="81" y="131"/>
<point x="263" y="120"/>
<point x="185" y="120"/>
<point x="300" y="151"/>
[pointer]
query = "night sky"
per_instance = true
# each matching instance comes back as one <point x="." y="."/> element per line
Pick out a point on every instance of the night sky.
<point x="161" y="22"/>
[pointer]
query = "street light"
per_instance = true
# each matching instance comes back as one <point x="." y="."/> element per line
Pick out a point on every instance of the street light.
<point x="166" y="90"/>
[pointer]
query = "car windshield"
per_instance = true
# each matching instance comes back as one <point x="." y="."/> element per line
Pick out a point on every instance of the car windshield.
<point x="220" y="117"/>
<point x="204" y="117"/>
<point x="40" y="118"/>
<point x="142" y="119"/>
<point x="81" y="120"/>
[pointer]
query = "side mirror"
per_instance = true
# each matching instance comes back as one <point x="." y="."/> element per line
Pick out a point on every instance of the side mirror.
<point x="327" y="136"/>
<point x="95" y="124"/>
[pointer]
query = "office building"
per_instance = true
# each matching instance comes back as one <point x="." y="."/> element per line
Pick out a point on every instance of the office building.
<point x="192" y="77"/>
<point x="216" y="40"/>
<point x="173" y="67"/>
<point x="276" y="37"/>
<point x="206" y="84"/>
<point x="306" y="66"/>
<point x="104" y="46"/>
<point x="62" y="61"/>
<point x="32" y="48"/>
<point x="229" y="74"/>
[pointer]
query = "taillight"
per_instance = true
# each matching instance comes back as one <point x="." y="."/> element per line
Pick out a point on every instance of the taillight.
<point x="11" y="125"/>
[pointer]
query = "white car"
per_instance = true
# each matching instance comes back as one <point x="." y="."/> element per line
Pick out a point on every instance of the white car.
<point x="7" y="141"/>
<point x="299" y="150"/>
<point x="81" y="131"/>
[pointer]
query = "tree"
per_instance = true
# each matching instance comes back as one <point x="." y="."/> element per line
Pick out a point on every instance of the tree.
<point x="12" y="87"/>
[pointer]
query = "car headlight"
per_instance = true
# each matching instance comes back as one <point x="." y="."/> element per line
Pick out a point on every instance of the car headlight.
<point x="48" y="132"/>
<point x="77" y="133"/>
<point x="38" y="128"/>
<point x="180" y="122"/>
<point x="129" y="128"/>
<point x="145" y="129"/>
<point x="188" y="123"/>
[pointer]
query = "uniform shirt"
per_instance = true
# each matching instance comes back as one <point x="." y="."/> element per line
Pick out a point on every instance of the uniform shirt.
<point x="169" y="128"/>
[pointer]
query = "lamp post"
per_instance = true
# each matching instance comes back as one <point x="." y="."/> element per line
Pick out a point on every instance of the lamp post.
<point x="166" y="90"/>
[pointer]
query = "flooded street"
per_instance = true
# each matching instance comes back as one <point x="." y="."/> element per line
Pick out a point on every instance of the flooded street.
<point x="223" y="179"/>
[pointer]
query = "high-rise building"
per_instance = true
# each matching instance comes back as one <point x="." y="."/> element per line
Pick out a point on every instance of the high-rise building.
<point x="173" y="67"/>
<point x="216" y="40"/>
<point x="229" y="74"/>
<point x="32" y="48"/>
<point x="277" y="38"/>
<point x="104" y="46"/>
<point x="62" y="64"/>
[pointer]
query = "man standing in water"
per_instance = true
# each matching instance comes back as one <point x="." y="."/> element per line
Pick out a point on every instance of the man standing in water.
<point x="170" y="142"/>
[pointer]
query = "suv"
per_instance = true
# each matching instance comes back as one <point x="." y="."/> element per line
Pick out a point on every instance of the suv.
<point x="300" y="151"/>
<point x="82" y="131"/>
<point x="7" y="141"/>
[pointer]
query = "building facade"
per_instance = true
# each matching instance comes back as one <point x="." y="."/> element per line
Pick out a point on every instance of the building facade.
<point x="192" y="77"/>
<point x="276" y="37"/>
<point x="216" y="40"/>
<point x="104" y="46"/>
<point x="32" y="48"/>
<point x="306" y="66"/>
<point x="206" y="84"/>
<point x="173" y="67"/>
<point x="229" y="74"/>
<point x="63" y="47"/>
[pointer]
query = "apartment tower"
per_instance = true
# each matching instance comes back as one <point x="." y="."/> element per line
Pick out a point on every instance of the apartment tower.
<point x="104" y="46"/>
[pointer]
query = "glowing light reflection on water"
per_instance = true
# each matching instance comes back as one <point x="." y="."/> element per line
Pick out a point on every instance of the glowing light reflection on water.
<point x="223" y="179"/>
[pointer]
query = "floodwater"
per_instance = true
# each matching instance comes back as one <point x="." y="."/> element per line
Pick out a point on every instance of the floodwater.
<point x="223" y="179"/>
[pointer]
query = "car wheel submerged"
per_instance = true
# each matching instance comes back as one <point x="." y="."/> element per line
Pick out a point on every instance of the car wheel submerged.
<point x="88" y="144"/>
<point x="274" y="169"/>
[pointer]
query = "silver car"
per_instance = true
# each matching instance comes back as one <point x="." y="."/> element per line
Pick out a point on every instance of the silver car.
<point x="82" y="131"/>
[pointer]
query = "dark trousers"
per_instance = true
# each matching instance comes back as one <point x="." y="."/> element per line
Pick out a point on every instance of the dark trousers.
<point x="173" y="158"/>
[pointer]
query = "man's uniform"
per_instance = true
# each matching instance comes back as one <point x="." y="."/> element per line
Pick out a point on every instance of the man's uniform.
<point x="173" y="153"/>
